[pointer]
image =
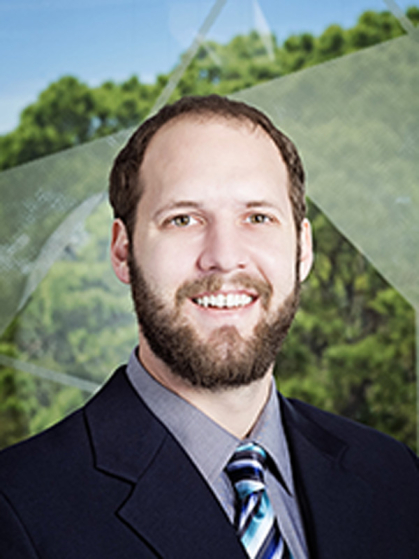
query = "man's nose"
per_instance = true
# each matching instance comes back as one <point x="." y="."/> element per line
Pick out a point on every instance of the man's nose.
<point x="224" y="249"/>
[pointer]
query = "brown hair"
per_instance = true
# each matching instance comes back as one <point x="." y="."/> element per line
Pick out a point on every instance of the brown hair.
<point x="125" y="187"/>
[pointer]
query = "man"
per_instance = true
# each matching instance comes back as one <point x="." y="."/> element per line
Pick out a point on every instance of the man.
<point x="189" y="451"/>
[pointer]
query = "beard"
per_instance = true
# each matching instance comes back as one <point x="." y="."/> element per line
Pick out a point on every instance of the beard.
<point x="225" y="359"/>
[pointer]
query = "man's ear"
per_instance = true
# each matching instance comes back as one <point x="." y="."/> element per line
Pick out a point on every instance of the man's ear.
<point x="306" y="253"/>
<point x="120" y="251"/>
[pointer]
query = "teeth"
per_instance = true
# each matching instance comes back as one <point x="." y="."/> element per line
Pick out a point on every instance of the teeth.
<point x="220" y="301"/>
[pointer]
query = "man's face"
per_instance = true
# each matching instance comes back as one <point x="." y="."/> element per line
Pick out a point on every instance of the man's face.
<point x="213" y="260"/>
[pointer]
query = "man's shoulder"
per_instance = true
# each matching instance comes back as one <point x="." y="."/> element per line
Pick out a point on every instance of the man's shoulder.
<point x="359" y="445"/>
<point x="57" y="449"/>
<point x="337" y="424"/>
<point x="46" y="451"/>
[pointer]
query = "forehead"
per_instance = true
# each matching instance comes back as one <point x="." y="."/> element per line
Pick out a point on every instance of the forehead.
<point x="213" y="156"/>
<point x="209" y="132"/>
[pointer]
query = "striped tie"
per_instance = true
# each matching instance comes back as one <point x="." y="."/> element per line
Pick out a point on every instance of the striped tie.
<point x="256" y="524"/>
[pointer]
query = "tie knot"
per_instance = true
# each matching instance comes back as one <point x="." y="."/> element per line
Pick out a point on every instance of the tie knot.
<point x="246" y="469"/>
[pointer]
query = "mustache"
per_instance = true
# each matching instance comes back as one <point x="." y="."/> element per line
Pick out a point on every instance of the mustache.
<point x="214" y="282"/>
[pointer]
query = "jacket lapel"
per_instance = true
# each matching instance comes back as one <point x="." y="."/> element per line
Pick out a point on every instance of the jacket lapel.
<point x="336" y="504"/>
<point x="170" y="502"/>
<point x="173" y="507"/>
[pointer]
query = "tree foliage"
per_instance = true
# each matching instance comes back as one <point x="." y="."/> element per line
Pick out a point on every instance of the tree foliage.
<point x="351" y="348"/>
<point x="69" y="113"/>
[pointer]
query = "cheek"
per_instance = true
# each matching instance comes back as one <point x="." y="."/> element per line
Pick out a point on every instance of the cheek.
<point x="165" y="265"/>
<point x="278" y="266"/>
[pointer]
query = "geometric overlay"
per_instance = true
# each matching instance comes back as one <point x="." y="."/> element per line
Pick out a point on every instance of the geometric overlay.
<point x="42" y="203"/>
<point x="355" y="121"/>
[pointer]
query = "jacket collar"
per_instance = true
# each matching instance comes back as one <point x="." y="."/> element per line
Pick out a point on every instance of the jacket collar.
<point x="169" y="502"/>
<point x="336" y="504"/>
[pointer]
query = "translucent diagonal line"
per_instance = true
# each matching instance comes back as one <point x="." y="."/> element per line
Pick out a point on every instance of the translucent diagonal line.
<point x="47" y="374"/>
<point x="56" y="243"/>
<point x="37" y="199"/>
<point x="263" y="29"/>
<point x="188" y="56"/>
<point x="405" y="22"/>
<point x="211" y="52"/>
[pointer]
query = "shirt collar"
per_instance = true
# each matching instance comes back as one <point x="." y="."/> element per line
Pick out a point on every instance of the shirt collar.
<point x="196" y="432"/>
<point x="269" y="433"/>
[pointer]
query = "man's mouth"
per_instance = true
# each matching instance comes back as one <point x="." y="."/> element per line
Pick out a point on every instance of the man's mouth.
<point x="212" y="292"/>
<point x="224" y="301"/>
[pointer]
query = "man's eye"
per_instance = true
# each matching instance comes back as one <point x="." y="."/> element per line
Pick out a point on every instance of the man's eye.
<point x="182" y="220"/>
<point x="258" y="218"/>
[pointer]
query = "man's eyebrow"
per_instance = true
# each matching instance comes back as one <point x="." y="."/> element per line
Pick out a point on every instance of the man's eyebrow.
<point x="178" y="204"/>
<point x="260" y="204"/>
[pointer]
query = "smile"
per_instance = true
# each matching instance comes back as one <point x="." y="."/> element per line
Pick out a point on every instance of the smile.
<point x="220" y="301"/>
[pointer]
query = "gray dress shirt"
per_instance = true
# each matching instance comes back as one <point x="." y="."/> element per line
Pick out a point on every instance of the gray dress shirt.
<point x="210" y="447"/>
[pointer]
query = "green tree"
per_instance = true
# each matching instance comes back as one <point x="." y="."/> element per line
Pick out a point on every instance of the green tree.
<point x="69" y="113"/>
<point x="352" y="345"/>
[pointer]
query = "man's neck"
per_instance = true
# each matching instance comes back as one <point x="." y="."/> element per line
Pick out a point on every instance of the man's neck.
<point x="235" y="409"/>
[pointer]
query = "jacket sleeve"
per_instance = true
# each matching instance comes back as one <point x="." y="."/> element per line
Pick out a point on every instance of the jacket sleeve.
<point x="15" y="542"/>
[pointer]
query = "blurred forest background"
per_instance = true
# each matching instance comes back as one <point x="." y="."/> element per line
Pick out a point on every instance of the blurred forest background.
<point x="352" y="347"/>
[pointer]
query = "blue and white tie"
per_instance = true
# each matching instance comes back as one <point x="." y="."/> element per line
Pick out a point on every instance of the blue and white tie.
<point x="256" y="524"/>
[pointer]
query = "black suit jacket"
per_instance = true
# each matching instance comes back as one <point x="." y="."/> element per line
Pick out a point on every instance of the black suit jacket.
<point x="110" y="482"/>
